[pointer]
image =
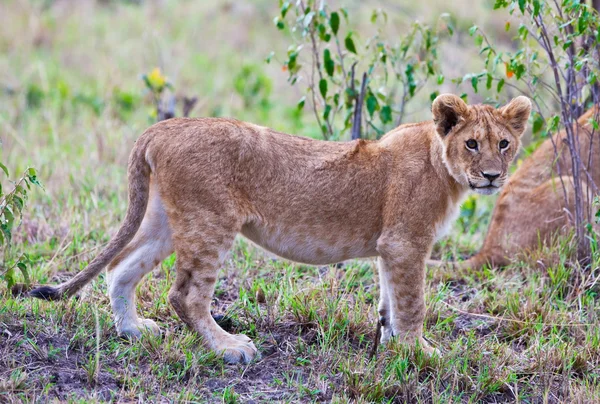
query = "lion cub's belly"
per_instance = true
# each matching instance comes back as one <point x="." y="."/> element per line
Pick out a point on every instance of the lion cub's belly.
<point x="319" y="246"/>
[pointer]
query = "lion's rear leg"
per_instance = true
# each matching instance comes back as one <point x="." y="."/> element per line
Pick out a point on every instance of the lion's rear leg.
<point x="202" y="241"/>
<point x="150" y="246"/>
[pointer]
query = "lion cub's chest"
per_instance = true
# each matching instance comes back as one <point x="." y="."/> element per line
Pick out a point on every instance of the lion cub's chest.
<point x="452" y="212"/>
<point x="316" y="246"/>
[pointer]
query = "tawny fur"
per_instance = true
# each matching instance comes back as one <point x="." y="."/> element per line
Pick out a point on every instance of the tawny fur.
<point x="531" y="209"/>
<point x="197" y="183"/>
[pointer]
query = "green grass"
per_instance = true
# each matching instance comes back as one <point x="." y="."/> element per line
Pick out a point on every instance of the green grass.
<point x="517" y="334"/>
<point x="72" y="103"/>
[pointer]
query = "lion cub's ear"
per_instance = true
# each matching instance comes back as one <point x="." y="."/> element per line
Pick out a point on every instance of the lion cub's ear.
<point x="448" y="110"/>
<point x="517" y="113"/>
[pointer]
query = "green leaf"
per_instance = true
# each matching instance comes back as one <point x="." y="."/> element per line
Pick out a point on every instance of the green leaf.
<point x="500" y="4"/>
<point x="18" y="203"/>
<point x="474" y="82"/>
<point x="269" y="57"/>
<point x="292" y="62"/>
<point x="488" y="82"/>
<point x="536" y="8"/>
<point x="323" y="34"/>
<point x="308" y="18"/>
<point x="6" y="232"/>
<point x="500" y="85"/>
<point x="410" y="79"/>
<point x="301" y="102"/>
<point x="522" y="6"/>
<point x="386" y="114"/>
<point x="336" y="99"/>
<point x="323" y="87"/>
<point x="344" y="13"/>
<point x="9" y="277"/>
<point x="10" y="218"/>
<point x="538" y="123"/>
<point x="278" y="23"/>
<point x="553" y="123"/>
<point x="350" y="43"/>
<point x="21" y="265"/>
<point x="523" y="31"/>
<point x="334" y="22"/>
<point x="3" y="167"/>
<point x="328" y="62"/>
<point x="326" y="112"/>
<point x="34" y="180"/>
<point x="447" y="18"/>
<point x="284" y="8"/>
<point x="372" y="104"/>
<point x="473" y="30"/>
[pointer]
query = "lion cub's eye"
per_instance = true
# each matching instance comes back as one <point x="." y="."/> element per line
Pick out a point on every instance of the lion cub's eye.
<point x="503" y="144"/>
<point x="472" y="144"/>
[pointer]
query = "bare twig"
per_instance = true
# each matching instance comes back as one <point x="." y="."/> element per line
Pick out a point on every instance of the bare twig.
<point x="357" y="121"/>
<point x="375" y="340"/>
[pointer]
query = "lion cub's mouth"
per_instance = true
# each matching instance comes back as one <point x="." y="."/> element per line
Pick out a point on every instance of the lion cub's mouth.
<point x="484" y="190"/>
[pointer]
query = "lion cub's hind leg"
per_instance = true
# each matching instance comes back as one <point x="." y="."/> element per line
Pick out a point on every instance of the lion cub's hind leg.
<point x="150" y="246"/>
<point x="202" y="241"/>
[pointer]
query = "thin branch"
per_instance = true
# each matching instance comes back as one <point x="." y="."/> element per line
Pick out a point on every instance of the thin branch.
<point x="512" y="320"/>
<point x="357" y="122"/>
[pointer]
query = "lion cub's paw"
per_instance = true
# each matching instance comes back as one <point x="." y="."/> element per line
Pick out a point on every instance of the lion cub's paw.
<point x="429" y="350"/>
<point x="387" y="337"/>
<point x="386" y="334"/>
<point x="135" y="331"/>
<point x="238" y="349"/>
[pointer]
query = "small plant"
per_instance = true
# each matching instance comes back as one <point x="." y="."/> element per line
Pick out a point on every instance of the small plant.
<point x="230" y="396"/>
<point x="12" y="204"/>
<point x="342" y="73"/>
<point x="253" y="86"/>
<point x="16" y="382"/>
<point x="156" y="82"/>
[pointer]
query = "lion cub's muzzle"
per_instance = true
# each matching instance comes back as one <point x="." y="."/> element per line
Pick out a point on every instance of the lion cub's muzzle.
<point x="487" y="182"/>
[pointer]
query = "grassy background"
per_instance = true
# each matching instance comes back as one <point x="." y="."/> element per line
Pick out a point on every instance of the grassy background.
<point x="72" y="104"/>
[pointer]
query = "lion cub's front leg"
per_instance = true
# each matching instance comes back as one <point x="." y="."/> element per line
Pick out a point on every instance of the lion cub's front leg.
<point x="402" y="303"/>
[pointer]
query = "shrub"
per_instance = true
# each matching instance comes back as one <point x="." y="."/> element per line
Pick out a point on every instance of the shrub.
<point x="557" y="63"/>
<point x="342" y="73"/>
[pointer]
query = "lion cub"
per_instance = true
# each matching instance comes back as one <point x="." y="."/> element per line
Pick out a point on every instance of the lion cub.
<point x="194" y="184"/>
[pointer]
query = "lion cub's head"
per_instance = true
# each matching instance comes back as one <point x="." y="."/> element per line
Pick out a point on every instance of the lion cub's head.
<point x="480" y="141"/>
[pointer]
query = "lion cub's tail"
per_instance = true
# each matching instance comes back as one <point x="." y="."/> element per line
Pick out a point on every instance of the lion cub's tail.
<point x="475" y="263"/>
<point x="138" y="172"/>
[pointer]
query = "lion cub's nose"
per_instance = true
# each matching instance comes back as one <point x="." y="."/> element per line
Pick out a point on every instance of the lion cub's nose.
<point x="490" y="175"/>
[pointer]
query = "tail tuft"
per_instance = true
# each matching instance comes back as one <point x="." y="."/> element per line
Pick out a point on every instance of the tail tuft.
<point x="46" y="293"/>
